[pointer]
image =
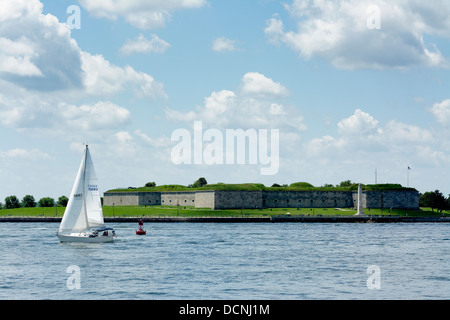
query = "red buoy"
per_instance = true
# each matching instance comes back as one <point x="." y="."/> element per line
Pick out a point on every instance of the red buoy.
<point x="140" y="230"/>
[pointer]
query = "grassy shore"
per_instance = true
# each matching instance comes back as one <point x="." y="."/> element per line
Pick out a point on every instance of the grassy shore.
<point x="173" y="211"/>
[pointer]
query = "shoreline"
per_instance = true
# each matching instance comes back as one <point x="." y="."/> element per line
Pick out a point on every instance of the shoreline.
<point x="268" y="219"/>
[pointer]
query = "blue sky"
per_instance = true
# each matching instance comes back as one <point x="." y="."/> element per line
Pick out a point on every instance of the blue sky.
<point x="347" y="99"/>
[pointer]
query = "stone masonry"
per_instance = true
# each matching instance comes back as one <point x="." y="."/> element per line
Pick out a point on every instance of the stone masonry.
<point x="227" y="199"/>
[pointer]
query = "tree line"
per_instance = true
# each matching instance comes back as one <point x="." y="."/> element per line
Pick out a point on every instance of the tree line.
<point x="434" y="200"/>
<point x="12" y="202"/>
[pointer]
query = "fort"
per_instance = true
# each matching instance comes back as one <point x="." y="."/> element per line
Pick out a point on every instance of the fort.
<point x="253" y="197"/>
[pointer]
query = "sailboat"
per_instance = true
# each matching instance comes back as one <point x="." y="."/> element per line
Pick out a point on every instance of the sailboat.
<point x="83" y="217"/>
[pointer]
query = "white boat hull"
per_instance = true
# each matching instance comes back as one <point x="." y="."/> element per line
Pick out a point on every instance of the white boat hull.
<point x="86" y="238"/>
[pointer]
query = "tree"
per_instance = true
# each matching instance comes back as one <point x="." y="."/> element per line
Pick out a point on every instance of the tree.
<point x="439" y="201"/>
<point x="28" y="201"/>
<point x="46" y="202"/>
<point x="62" y="201"/>
<point x="12" y="202"/>
<point x="276" y="185"/>
<point x="346" y="183"/>
<point x="434" y="200"/>
<point x="425" y="200"/>
<point x="150" y="184"/>
<point x="200" y="183"/>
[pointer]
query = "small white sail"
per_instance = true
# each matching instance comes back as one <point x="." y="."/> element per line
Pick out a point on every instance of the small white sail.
<point x="93" y="203"/>
<point x="75" y="217"/>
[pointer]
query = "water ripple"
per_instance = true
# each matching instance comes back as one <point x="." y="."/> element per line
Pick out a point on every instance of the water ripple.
<point x="224" y="261"/>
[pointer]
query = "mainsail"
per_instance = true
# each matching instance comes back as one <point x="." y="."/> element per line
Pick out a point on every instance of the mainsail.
<point x="93" y="203"/>
<point x="84" y="209"/>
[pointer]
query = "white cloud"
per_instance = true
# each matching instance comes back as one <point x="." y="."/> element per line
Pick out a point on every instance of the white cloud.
<point x="49" y="86"/>
<point x="257" y="84"/>
<point x="337" y="32"/>
<point x="144" y="45"/>
<point x="223" y="44"/>
<point x="19" y="153"/>
<point x="40" y="55"/>
<point x="360" y="123"/>
<point x="258" y="104"/>
<point x="361" y="134"/>
<point x="101" y="115"/>
<point x="160" y="142"/>
<point x="15" y="57"/>
<point x="124" y="137"/>
<point x="101" y="78"/>
<point x="63" y="120"/>
<point x="398" y="133"/>
<point x="36" y="51"/>
<point x="142" y="14"/>
<point x="441" y="111"/>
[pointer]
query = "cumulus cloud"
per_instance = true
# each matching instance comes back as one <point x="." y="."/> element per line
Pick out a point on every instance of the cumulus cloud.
<point x="144" y="45"/>
<point x="360" y="123"/>
<point x="259" y="103"/>
<point x="58" y="118"/>
<point x="103" y="78"/>
<point x="441" y="111"/>
<point x="223" y="44"/>
<point x="19" y="153"/>
<point x="362" y="133"/>
<point x="36" y="51"/>
<point x="142" y="14"/>
<point x="258" y="84"/>
<point x="159" y="142"/>
<point x="92" y="117"/>
<point x="338" y="32"/>
<point x="15" y="57"/>
<point x="48" y="83"/>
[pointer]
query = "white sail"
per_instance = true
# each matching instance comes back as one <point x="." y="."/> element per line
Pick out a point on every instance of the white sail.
<point x="93" y="203"/>
<point x="84" y="209"/>
<point x="75" y="217"/>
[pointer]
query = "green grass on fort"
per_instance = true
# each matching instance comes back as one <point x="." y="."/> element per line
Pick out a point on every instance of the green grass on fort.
<point x="181" y="211"/>
<point x="298" y="186"/>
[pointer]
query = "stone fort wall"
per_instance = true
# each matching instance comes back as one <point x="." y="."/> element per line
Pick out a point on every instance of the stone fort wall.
<point x="131" y="198"/>
<point x="226" y="199"/>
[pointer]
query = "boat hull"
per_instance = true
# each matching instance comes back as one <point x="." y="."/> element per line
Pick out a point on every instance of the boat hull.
<point x="85" y="238"/>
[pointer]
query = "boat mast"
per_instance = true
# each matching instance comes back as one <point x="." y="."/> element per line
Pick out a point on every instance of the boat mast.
<point x="84" y="186"/>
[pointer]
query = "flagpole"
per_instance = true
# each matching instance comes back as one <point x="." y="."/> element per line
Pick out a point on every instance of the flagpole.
<point x="407" y="176"/>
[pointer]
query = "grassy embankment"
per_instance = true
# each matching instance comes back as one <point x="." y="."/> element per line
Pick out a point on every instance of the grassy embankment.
<point x="297" y="186"/>
<point x="173" y="211"/>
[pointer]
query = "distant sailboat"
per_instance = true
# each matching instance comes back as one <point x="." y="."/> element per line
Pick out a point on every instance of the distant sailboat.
<point x="83" y="217"/>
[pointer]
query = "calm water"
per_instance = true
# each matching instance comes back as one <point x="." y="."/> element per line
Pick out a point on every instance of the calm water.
<point x="229" y="261"/>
